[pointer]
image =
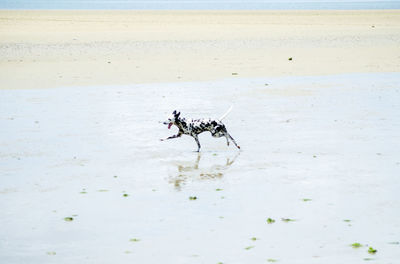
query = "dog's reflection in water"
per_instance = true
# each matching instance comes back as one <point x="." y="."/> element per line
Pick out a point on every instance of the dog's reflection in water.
<point x="195" y="171"/>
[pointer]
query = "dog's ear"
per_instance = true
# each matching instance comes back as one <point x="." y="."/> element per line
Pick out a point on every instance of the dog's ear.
<point x="174" y="112"/>
<point x="177" y="114"/>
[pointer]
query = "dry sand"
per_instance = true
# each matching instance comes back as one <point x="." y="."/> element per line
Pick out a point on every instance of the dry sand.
<point x="44" y="49"/>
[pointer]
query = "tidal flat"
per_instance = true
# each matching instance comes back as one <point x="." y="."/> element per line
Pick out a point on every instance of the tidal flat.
<point x="85" y="178"/>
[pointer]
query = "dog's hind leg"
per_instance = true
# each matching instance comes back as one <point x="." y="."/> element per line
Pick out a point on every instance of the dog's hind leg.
<point x="198" y="142"/>
<point x="231" y="138"/>
<point x="221" y="134"/>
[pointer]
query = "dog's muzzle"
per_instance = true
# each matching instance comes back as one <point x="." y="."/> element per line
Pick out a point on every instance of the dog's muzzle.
<point x="169" y="124"/>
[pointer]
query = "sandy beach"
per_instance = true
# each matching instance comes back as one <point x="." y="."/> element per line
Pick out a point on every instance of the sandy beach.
<point x="85" y="178"/>
<point x="46" y="49"/>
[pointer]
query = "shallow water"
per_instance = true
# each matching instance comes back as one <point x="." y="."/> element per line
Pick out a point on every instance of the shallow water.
<point x="75" y="152"/>
<point x="201" y="5"/>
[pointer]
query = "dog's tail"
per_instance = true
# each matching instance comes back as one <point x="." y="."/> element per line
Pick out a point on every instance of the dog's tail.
<point x="227" y="112"/>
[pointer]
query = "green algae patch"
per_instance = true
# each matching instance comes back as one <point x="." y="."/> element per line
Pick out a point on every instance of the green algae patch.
<point x="270" y="221"/>
<point x="287" y="220"/>
<point x="134" y="240"/>
<point x="248" y="248"/>
<point x="192" y="198"/>
<point x="356" y="245"/>
<point x="272" y="260"/>
<point x="372" y="250"/>
<point x="69" y="219"/>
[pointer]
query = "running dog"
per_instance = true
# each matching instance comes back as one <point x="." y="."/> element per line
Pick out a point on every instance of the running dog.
<point x="193" y="127"/>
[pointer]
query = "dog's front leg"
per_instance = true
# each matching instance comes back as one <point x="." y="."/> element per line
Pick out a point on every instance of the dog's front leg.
<point x="171" y="137"/>
<point x="198" y="143"/>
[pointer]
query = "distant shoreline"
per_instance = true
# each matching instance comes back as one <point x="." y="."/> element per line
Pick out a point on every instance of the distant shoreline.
<point x="199" y="5"/>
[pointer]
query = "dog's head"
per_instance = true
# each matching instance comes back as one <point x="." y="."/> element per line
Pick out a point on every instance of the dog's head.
<point x="172" y="119"/>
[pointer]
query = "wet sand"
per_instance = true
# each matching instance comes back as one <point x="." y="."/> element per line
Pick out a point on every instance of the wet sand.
<point x="322" y="151"/>
<point x="47" y="49"/>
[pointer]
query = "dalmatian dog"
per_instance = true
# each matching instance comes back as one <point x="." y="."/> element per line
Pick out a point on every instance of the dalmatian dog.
<point x="193" y="127"/>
